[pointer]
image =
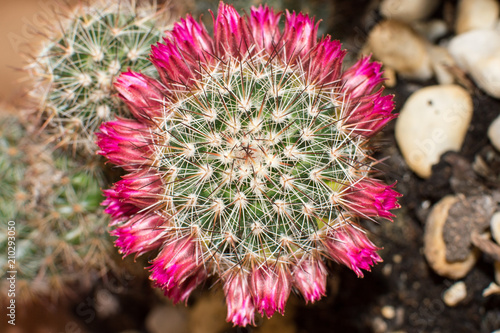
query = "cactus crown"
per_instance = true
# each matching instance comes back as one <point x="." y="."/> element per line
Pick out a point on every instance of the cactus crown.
<point x="75" y="69"/>
<point x="255" y="161"/>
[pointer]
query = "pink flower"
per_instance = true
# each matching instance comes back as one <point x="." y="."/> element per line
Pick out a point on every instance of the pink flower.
<point x="240" y="306"/>
<point x="371" y="198"/>
<point x="124" y="142"/>
<point x="264" y="27"/>
<point x="309" y="277"/>
<point x="271" y="287"/>
<point x="362" y="78"/>
<point x="178" y="269"/>
<point x="143" y="95"/>
<point x="349" y="246"/>
<point x="367" y="115"/>
<point x="142" y="189"/>
<point x="140" y="234"/>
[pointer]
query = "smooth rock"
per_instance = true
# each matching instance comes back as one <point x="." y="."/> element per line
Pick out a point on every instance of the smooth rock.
<point x="455" y="294"/>
<point x="432" y="30"/>
<point x="388" y="312"/>
<point x="399" y="47"/>
<point x="492" y="289"/>
<point x="433" y="120"/>
<point x="476" y="14"/>
<point x="435" y="247"/>
<point x="494" y="134"/>
<point x="408" y="10"/>
<point x="478" y="53"/>
<point x="442" y="61"/>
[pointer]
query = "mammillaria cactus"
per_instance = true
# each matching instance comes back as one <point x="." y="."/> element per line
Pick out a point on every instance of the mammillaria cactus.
<point x="84" y="50"/>
<point x="61" y="241"/>
<point x="248" y="159"/>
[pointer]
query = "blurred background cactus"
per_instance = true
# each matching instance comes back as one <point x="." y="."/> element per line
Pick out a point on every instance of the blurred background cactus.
<point x="61" y="239"/>
<point x="84" y="48"/>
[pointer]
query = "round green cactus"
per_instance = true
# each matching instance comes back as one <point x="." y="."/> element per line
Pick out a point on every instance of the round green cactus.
<point x="74" y="70"/>
<point x="61" y="236"/>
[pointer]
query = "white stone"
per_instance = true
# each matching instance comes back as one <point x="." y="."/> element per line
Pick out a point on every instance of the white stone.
<point x="408" y="10"/>
<point x="432" y="30"/>
<point x="495" y="226"/>
<point x="435" y="247"/>
<point x="433" y="120"/>
<point x="494" y="135"/>
<point x="442" y="61"/>
<point x="399" y="47"/>
<point x="478" y="53"/>
<point x="476" y="14"/>
<point x="455" y="294"/>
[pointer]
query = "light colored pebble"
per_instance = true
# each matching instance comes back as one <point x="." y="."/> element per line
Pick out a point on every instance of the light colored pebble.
<point x="476" y="14"/>
<point x="492" y="289"/>
<point x="167" y="319"/>
<point x="388" y="312"/>
<point x="432" y="30"/>
<point x="379" y="325"/>
<point x="408" y="10"/>
<point x="494" y="135"/>
<point x="435" y="247"/>
<point x="484" y="63"/>
<point x="399" y="47"/>
<point x="441" y="62"/>
<point x="455" y="294"/>
<point x="433" y="120"/>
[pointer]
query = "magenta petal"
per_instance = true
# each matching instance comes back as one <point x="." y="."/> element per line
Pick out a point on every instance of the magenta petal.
<point x="271" y="287"/>
<point x="178" y="269"/>
<point x="349" y="246"/>
<point x="362" y="78"/>
<point x="309" y="277"/>
<point x="368" y="114"/>
<point x="240" y="306"/>
<point x="143" y="95"/>
<point x="124" y="142"/>
<point x="142" y="233"/>
<point x="371" y="198"/>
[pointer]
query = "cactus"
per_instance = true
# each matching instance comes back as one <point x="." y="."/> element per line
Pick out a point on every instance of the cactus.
<point x="85" y="49"/>
<point x="248" y="159"/>
<point x="61" y="236"/>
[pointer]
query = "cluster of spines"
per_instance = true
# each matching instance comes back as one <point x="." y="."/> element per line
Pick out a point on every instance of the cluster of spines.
<point x="62" y="242"/>
<point x="84" y="51"/>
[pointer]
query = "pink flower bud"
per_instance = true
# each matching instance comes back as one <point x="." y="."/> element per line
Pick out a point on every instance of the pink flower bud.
<point x="349" y="246"/>
<point x="371" y="198"/>
<point x="178" y="269"/>
<point x="240" y="306"/>
<point x="309" y="277"/>
<point x="143" y="95"/>
<point x="362" y="78"/>
<point x="271" y="286"/>
<point x="140" y="234"/>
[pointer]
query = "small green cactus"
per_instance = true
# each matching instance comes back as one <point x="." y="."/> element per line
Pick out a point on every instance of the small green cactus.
<point x="61" y="236"/>
<point x="85" y="49"/>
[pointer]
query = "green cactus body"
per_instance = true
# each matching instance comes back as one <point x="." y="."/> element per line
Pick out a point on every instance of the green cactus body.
<point x="61" y="236"/>
<point x="74" y="70"/>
